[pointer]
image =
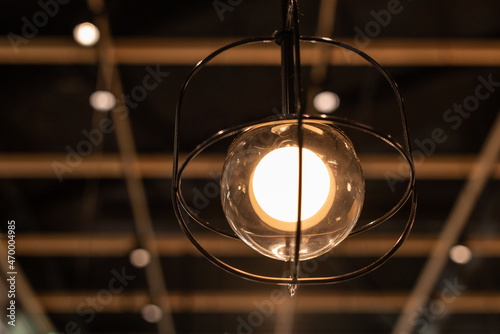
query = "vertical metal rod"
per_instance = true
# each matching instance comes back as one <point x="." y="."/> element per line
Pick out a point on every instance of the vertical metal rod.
<point x="299" y="98"/>
<point x="298" y="233"/>
<point x="298" y="106"/>
<point x="287" y="62"/>
<point x="292" y="103"/>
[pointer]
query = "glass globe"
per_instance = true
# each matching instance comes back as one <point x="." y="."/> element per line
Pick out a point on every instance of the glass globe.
<point x="259" y="188"/>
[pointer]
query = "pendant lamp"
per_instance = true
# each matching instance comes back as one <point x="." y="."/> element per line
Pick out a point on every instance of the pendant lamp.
<point x="292" y="186"/>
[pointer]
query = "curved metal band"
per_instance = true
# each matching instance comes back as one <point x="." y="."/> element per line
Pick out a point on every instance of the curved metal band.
<point x="202" y="63"/>
<point x="222" y="134"/>
<point x="410" y="194"/>
<point x="382" y="71"/>
<point x="181" y="208"/>
<point x="408" y="156"/>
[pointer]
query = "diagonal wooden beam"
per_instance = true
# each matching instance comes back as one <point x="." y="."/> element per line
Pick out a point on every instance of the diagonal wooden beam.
<point x="455" y="223"/>
<point x="23" y="293"/>
<point x="111" y="82"/>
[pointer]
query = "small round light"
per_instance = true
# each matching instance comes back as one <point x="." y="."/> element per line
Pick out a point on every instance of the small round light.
<point x="460" y="254"/>
<point x="326" y="102"/>
<point x="86" y="34"/>
<point x="151" y="313"/>
<point x="140" y="258"/>
<point x="102" y="100"/>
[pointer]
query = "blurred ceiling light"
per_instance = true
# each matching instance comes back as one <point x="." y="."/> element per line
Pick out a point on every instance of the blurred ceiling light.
<point x="151" y="313"/>
<point x="102" y="100"/>
<point x="86" y="34"/>
<point x="140" y="258"/>
<point x="326" y="102"/>
<point x="460" y="254"/>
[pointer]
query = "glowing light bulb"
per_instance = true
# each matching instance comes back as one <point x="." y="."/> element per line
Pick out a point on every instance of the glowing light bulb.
<point x="86" y="34"/>
<point x="259" y="188"/>
<point x="274" y="188"/>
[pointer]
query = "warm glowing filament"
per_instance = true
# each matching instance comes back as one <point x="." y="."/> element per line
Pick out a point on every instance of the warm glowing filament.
<point x="274" y="187"/>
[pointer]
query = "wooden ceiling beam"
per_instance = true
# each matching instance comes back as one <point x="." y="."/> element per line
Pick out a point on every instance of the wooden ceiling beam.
<point x="188" y="51"/>
<point x="115" y="245"/>
<point x="441" y="167"/>
<point x="244" y="302"/>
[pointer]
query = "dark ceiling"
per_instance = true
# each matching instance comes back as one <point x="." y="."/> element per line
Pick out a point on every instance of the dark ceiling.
<point x="74" y="234"/>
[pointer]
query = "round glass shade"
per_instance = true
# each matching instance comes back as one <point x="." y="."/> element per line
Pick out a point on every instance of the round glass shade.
<point x="260" y="182"/>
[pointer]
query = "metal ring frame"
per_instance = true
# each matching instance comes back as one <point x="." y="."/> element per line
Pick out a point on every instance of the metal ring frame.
<point x="181" y="208"/>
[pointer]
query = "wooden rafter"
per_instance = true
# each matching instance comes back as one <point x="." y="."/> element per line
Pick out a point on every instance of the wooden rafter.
<point x="115" y="245"/>
<point x="237" y="302"/>
<point x="445" y="167"/>
<point x="188" y="51"/>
